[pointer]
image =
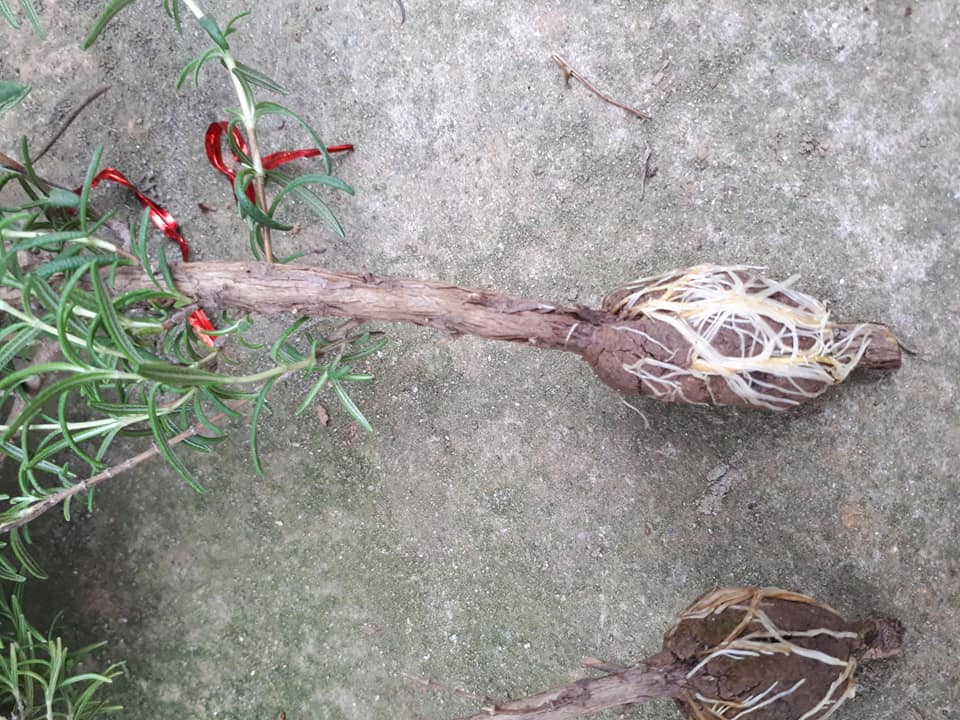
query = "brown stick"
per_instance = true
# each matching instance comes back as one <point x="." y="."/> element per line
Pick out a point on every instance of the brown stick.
<point x="66" y="123"/>
<point x="612" y="344"/>
<point x="655" y="678"/>
<point x="270" y="289"/>
<point x="51" y="501"/>
<point x="569" y="72"/>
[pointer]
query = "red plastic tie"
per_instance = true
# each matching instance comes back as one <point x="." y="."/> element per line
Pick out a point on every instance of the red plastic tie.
<point x="213" y="142"/>
<point x="168" y="225"/>
<point x="158" y="215"/>
<point x="200" y="323"/>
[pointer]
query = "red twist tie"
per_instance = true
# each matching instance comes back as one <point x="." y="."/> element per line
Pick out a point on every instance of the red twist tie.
<point x="213" y="141"/>
<point x="169" y="226"/>
<point x="160" y="217"/>
<point x="200" y="323"/>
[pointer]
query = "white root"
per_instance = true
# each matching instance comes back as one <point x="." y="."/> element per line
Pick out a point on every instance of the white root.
<point x="765" y="638"/>
<point x="787" y="351"/>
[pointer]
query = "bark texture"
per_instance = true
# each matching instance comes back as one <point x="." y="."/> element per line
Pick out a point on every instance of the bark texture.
<point x="784" y="655"/>
<point x="657" y="677"/>
<point x="609" y="343"/>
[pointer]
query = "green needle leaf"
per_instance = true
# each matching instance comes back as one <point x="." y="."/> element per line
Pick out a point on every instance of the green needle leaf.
<point x="160" y="438"/>
<point x="255" y="77"/>
<point x="297" y="187"/>
<point x="209" y="24"/>
<point x="176" y="375"/>
<point x="266" y="107"/>
<point x="109" y="12"/>
<point x="318" y="386"/>
<point x="8" y="15"/>
<point x="87" y="182"/>
<point x="31" y="12"/>
<point x="111" y="319"/>
<point x="37" y="403"/>
<point x="349" y="406"/>
<point x="11" y="93"/>
<point x="258" y="407"/>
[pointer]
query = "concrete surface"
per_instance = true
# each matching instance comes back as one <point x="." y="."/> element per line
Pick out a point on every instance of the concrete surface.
<point x="510" y="515"/>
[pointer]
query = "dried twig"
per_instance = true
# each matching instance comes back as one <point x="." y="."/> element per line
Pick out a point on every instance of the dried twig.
<point x="70" y="118"/>
<point x="569" y="72"/>
<point x="8" y="163"/>
<point x="645" y="171"/>
<point x="51" y="501"/>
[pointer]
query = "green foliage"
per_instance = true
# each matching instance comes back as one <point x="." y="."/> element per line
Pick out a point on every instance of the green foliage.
<point x="29" y="9"/>
<point x="130" y="367"/>
<point x="108" y="14"/>
<point x="11" y="93"/>
<point x="95" y="346"/>
<point x="39" y="677"/>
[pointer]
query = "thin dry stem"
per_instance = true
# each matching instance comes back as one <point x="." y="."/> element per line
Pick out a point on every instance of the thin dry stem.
<point x="51" y="501"/>
<point x="569" y="72"/>
<point x="69" y="121"/>
<point x="260" y="191"/>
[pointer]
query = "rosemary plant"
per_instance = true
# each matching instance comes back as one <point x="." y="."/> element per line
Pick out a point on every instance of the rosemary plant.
<point x="82" y="365"/>
<point x="29" y="10"/>
<point x="129" y="365"/>
<point x="39" y="677"/>
<point x="99" y="341"/>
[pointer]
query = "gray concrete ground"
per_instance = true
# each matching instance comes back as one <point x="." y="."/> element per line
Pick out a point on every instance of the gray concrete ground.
<point x="510" y="514"/>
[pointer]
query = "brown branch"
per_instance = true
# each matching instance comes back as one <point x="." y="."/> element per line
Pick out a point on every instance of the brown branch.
<point x="270" y="289"/>
<point x="612" y="343"/>
<point x="658" y="677"/>
<point x="569" y="72"/>
<point x="66" y="123"/>
<point x="51" y="501"/>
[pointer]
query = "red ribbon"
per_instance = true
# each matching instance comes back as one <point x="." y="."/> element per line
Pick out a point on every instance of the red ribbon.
<point x="199" y="321"/>
<point x="168" y="225"/>
<point x="158" y="215"/>
<point x="213" y="141"/>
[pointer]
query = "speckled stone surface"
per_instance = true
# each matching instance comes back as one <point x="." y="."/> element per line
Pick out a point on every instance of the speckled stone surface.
<point x="510" y="514"/>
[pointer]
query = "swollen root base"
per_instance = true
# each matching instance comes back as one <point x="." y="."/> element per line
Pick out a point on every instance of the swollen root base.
<point x="772" y="345"/>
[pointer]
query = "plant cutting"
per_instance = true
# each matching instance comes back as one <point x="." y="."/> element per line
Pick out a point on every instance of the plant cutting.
<point x="124" y="343"/>
<point x="103" y="337"/>
<point x="736" y="652"/>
